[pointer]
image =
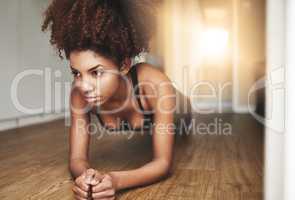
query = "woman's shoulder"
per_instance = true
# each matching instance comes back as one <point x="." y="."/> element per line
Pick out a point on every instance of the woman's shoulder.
<point x="154" y="83"/>
<point x="149" y="73"/>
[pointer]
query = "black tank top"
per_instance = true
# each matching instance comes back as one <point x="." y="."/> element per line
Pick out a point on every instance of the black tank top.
<point x="147" y="116"/>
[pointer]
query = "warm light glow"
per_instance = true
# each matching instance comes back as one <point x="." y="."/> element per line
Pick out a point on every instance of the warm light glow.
<point x="214" y="42"/>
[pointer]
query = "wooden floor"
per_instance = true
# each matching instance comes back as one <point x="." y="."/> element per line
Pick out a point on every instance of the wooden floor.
<point x="33" y="162"/>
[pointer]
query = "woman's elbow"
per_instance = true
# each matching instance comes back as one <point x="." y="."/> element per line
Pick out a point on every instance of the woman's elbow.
<point x="166" y="168"/>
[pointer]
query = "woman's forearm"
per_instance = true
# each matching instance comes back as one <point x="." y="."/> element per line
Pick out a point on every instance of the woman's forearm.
<point x="77" y="167"/>
<point x="146" y="174"/>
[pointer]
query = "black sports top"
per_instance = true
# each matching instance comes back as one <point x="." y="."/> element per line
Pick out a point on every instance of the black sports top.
<point x="148" y="117"/>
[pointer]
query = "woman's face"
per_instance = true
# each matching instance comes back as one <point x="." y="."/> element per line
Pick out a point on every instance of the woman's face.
<point x="96" y="76"/>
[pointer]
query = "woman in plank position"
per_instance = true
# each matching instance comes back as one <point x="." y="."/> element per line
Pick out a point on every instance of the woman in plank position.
<point x="99" y="39"/>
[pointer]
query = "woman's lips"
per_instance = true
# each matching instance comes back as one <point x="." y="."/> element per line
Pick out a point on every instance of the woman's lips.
<point x="92" y="99"/>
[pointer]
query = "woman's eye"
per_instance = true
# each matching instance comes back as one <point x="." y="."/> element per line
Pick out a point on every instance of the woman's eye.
<point x="75" y="74"/>
<point x="98" y="72"/>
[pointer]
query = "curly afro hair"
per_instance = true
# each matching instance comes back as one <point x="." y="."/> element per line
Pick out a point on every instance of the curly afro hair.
<point x="116" y="29"/>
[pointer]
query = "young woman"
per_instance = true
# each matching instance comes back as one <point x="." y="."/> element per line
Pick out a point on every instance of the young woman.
<point x="100" y="38"/>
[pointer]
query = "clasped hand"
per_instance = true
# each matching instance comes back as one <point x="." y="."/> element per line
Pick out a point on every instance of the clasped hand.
<point x="95" y="186"/>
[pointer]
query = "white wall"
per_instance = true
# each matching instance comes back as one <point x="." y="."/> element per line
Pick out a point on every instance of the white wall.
<point x="274" y="129"/>
<point x="23" y="47"/>
<point x="290" y="95"/>
<point x="248" y="51"/>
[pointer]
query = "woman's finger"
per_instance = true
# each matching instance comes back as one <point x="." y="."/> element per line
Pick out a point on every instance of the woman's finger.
<point x="89" y="175"/>
<point x="104" y="185"/>
<point x="80" y="192"/>
<point x="104" y="194"/>
<point x="81" y="184"/>
<point x="97" y="178"/>
<point x="108" y="198"/>
<point x="79" y="198"/>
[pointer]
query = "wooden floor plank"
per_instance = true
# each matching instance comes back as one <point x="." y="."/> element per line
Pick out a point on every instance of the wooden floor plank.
<point x="33" y="162"/>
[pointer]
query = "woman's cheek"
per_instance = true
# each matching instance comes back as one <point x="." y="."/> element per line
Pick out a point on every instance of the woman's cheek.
<point x="108" y="86"/>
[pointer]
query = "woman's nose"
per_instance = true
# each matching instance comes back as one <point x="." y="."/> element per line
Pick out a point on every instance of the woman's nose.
<point x="87" y="87"/>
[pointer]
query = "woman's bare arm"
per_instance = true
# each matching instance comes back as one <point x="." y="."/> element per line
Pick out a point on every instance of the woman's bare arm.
<point x="78" y="135"/>
<point x="163" y="138"/>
